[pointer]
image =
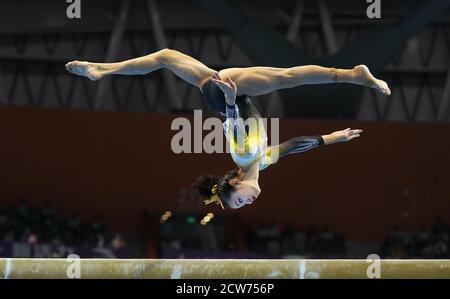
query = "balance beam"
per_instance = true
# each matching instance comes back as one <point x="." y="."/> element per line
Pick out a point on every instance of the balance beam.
<point x="220" y="269"/>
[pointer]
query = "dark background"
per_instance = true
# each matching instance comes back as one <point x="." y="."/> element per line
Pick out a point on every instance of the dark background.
<point x="88" y="165"/>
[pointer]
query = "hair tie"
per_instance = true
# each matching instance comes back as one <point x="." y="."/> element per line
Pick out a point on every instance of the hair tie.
<point x="214" y="198"/>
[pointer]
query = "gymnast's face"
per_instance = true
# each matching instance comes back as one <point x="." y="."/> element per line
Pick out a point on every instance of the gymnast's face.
<point x="245" y="193"/>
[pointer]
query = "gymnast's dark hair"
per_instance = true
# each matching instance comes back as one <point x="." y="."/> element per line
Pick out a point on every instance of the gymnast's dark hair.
<point x="205" y="184"/>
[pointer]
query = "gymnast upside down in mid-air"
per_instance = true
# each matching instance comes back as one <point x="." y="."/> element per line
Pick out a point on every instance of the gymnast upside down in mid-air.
<point x="226" y="93"/>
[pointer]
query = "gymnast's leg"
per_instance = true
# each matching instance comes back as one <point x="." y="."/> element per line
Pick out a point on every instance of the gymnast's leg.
<point x="256" y="81"/>
<point x="184" y="66"/>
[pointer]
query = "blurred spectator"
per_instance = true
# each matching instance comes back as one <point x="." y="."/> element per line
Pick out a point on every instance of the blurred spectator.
<point x="41" y="225"/>
<point x="425" y="243"/>
<point x="268" y="239"/>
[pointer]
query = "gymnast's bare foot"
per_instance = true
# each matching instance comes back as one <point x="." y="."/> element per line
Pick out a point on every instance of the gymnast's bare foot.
<point x="85" y="69"/>
<point x="364" y="77"/>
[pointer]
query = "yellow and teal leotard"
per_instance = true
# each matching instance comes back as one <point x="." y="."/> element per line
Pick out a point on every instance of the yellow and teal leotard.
<point x="247" y="139"/>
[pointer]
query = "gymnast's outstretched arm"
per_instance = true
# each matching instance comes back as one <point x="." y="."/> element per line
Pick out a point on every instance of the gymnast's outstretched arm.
<point x="305" y="143"/>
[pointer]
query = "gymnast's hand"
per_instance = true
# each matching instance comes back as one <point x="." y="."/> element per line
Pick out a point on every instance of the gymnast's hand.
<point x="342" y="136"/>
<point x="227" y="86"/>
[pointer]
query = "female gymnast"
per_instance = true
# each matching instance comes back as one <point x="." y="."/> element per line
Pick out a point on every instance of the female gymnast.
<point x="226" y="93"/>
